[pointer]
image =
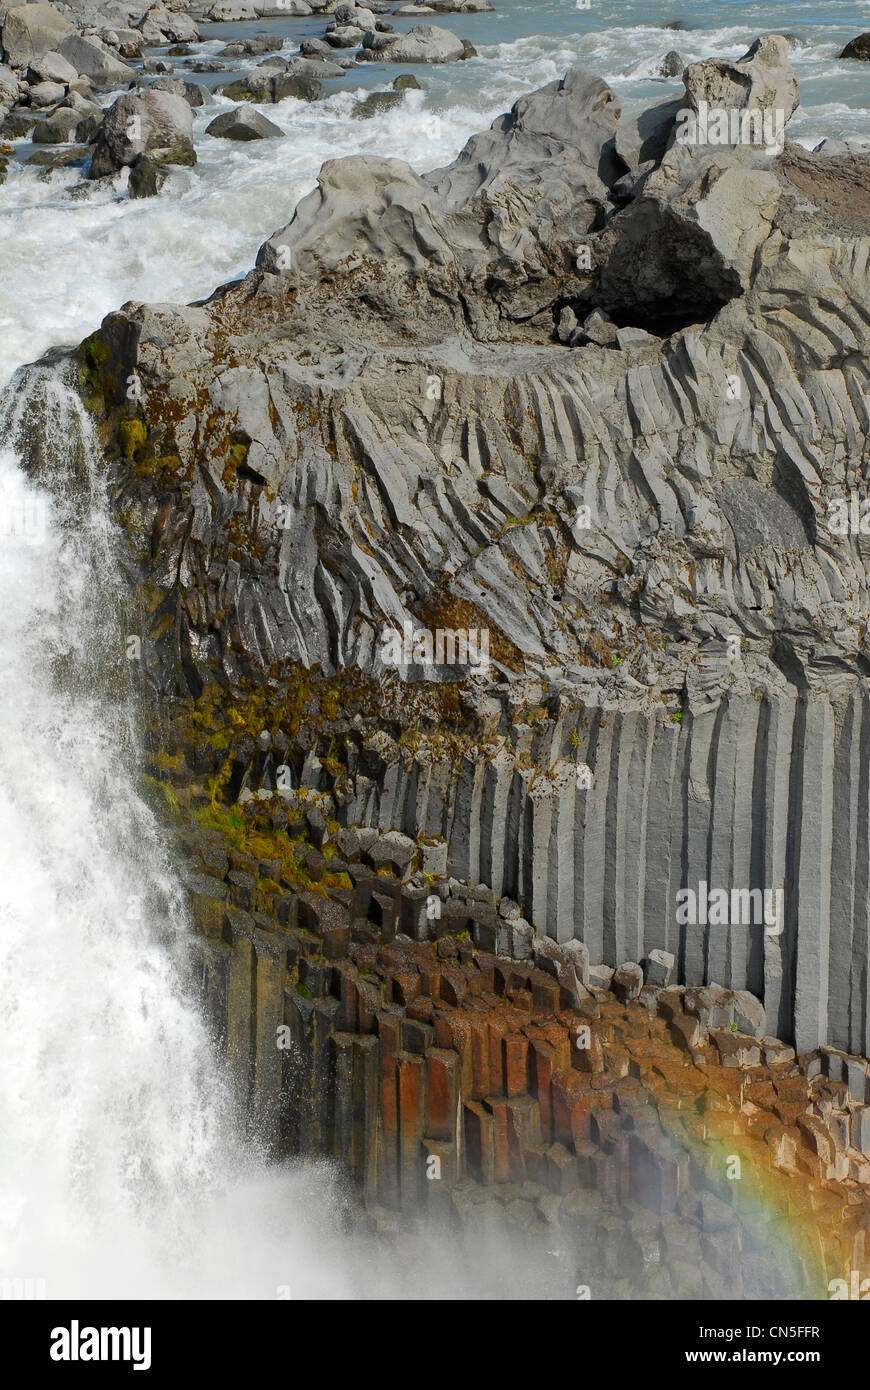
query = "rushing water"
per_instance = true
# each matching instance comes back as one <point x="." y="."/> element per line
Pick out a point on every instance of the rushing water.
<point x="121" y="1170"/>
<point x="121" y="1173"/>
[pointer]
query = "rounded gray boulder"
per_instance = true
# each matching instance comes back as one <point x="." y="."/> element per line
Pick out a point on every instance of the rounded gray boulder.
<point x="243" y="123"/>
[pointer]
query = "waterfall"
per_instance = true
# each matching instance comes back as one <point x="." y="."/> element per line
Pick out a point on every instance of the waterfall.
<point x="122" y="1172"/>
<point x="115" y="1128"/>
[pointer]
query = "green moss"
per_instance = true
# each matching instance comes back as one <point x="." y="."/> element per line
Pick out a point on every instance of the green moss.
<point x="236" y="455"/>
<point x="93" y="355"/>
<point x="177" y="154"/>
<point x="161" y="798"/>
<point x="133" y="436"/>
<point x="262" y="843"/>
<point x="161" y="468"/>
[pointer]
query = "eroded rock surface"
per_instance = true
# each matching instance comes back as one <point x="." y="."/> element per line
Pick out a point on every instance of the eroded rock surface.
<point x="660" y="528"/>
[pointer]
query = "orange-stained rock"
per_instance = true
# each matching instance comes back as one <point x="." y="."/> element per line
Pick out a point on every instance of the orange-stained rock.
<point x="453" y="1031"/>
<point x="542" y="1063"/>
<point x="497" y="1028"/>
<point x="442" y="1093"/>
<point x="479" y="1141"/>
<point x="570" y="1098"/>
<point x="480" y="1070"/>
<point x="405" y="986"/>
<point x="410" y="1071"/>
<point x="515" y="1050"/>
<point x="389" y="1035"/>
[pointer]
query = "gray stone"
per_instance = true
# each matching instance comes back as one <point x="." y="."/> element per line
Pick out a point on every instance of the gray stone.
<point x="29" y="31"/>
<point x="47" y="94"/>
<point x="627" y="981"/>
<point x="51" y="67"/>
<point x="424" y="43"/>
<point x="763" y="78"/>
<point x="671" y="65"/>
<point x="156" y="123"/>
<point x="161" y="25"/>
<point x="658" y="968"/>
<point x="57" y="128"/>
<point x="749" y="1014"/>
<point x="858" y="48"/>
<point x="144" y="178"/>
<point x="600" y="976"/>
<point x="93" y="59"/>
<point x="243" y="123"/>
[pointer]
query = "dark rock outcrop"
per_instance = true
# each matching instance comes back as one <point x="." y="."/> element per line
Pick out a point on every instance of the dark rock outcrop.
<point x="858" y="48"/>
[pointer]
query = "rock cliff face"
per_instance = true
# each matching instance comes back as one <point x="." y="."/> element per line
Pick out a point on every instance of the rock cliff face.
<point x="599" y="389"/>
<point x="459" y="1084"/>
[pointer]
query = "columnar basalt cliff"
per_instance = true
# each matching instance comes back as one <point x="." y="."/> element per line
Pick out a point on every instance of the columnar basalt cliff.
<point x="465" y="1077"/>
<point x="595" y="389"/>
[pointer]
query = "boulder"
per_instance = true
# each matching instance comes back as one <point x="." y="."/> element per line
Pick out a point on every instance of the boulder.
<point x="286" y="85"/>
<point x="315" y="48"/>
<point x="47" y="94"/>
<point x="689" y="235"/>
<point x="858" y="48"/>
<point x="671" y="65"/>
<point x="93" y="59"/>
<point x="9" y="88"/>
<point x="272" y="84"/>
<point x="396" y="223"/>
<point x="156" y="123"/>
<point x="643" y="138"/>
<point x="345" y="36"/>
<point x="598" y="328"/>
<point x="244" y="123"/>
<point x="346" y="13"/>
<point x="52" y="67"/>
<point x="658" y="968"/>
<point x="191" y="91"/>
<point x="254" y="47"/>
<point x="312" y="67"/>
<point x="31" y="30"/>
<point x="749" y="1014"/>
<point x="57" y="128"/>
<point x="763" y="79"/>
<point x="144" y="182"/>
<point x="161" y="25"/>
<point x="627" y="981"/>
<point x="374" y="104"/>
<point x="425" y="43"/>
